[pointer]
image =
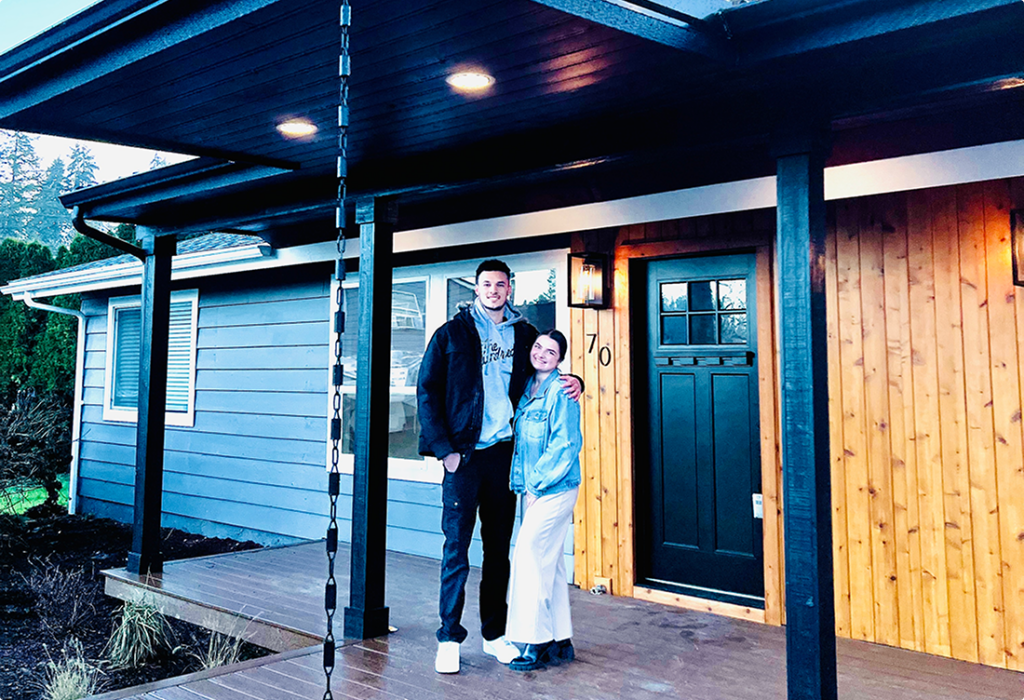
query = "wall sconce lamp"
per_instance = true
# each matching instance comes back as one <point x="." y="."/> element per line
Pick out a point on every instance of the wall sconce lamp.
<point x="1017" y="245"/>
<point x="589" y="281"/>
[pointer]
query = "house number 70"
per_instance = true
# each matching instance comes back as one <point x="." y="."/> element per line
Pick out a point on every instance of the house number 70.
<point x="604" y="353"/>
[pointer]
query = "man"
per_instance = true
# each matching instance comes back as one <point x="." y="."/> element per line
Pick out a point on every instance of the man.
<point x="473" y="373"/>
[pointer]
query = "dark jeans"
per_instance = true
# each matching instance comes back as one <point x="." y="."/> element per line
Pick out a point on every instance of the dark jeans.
<point x="480" y="482"/>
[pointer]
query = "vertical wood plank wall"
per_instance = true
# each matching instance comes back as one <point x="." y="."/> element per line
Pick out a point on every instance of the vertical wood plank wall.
<point x="926" y="377"/>
<point x="925" y="394"/>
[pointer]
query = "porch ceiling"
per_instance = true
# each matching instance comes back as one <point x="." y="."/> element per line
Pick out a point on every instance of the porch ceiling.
<point x="577" y="95"/>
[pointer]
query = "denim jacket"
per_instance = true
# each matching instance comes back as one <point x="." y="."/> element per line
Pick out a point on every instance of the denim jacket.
<point x="547" y="441"/>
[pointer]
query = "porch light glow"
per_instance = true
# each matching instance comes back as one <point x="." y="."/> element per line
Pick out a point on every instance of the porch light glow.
<point x="297" y="128"/>
<point x="589" y="281"/>
<point x="1017" y="245"/>
<point x="470" y="81"/>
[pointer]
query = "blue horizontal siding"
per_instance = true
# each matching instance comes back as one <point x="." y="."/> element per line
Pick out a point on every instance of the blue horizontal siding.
<point x="264" y="336"/>
<point x="245" y="403"/>
<point x="300" y="357"/>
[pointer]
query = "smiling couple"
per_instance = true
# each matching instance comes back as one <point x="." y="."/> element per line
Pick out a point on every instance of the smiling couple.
<point x="495" y="410"/>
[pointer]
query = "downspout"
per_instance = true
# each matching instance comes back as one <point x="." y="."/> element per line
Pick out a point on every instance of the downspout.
<point x="78" y="221"/>
<point x="76" y="418"/>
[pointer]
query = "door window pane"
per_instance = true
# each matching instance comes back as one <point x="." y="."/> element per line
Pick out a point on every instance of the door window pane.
<point x="702" y="296"/>
<point x="673" y="296"/>
<point x="673" y="330"/>
<point x="703" y="330"/>
<point x="732" y="294"/>
<point x="733" y="329"/>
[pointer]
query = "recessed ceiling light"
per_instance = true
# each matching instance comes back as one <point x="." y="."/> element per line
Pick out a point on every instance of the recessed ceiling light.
<point x="297" y="128"/>
<point x="470" y="81"/>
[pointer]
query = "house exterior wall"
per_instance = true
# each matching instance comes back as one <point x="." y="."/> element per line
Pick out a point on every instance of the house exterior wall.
<point x="253" y="466"/>
<point x="926" y="342"/>
<point x="927" y="335"/>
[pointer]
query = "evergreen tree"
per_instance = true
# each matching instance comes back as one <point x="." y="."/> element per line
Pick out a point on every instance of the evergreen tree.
<point x="19" y="184"/>
<point x="52" y="222"/>
<point x="20" y="326"/>
<point x="81" y="169"/>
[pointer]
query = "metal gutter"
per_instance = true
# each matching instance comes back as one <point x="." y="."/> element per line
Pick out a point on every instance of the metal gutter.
<point x="76" y="416"/>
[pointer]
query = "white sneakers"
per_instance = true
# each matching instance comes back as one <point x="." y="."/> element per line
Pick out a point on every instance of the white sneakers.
<point x="447" y="660"/>
<point x="501" y="649"/>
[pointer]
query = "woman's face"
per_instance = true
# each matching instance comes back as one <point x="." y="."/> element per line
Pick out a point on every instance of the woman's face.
<point x="545" y="355"/>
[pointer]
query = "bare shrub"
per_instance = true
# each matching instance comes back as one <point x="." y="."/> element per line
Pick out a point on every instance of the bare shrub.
<point x="35" y="444"/>
<point x="141" y="633"/>
<point x="72" y="677"/>
<point x="65" y="599"/>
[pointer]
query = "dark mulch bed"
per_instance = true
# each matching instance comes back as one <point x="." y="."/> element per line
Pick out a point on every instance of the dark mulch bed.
<point x="80" y="542"/>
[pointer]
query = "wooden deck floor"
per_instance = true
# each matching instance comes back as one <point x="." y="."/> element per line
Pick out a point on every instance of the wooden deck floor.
<point x="625" y="648"/>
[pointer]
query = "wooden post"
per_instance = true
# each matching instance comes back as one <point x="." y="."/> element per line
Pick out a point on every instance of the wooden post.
<point x="800" y="245"/>
<point x="366" y="616"/>
<point x="145" y="557"/>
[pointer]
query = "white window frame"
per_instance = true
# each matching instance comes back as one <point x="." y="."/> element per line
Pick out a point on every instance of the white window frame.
<point x="131" y="415"/>
<point x="436" y="276"/>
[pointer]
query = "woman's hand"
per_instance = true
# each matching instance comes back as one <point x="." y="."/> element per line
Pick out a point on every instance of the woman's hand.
<point x="571" y="386"/>
<point x="451" y="462"/>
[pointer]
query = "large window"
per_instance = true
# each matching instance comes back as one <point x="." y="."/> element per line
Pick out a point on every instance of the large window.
<point x="124" y="335"/>
<point x="422" y="299"/>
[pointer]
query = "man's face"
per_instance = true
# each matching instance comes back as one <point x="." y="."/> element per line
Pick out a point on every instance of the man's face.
<point x="492" y="288"/>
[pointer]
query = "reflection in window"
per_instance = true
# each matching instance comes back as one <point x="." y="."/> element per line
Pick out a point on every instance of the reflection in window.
<point x="673" y="296"/>
<point x="702" y="296"/>
<point x="733" y="329"/>
<point x="408" y="342"/>
<point x="732" y="294"/>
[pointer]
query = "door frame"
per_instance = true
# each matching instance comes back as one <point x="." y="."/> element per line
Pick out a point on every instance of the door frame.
<point x="644" y="350"/>
<point x="594" y="526"/>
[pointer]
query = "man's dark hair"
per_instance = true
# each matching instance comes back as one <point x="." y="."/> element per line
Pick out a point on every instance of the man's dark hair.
<point x="558" y="337"/>
<point x="493" y="266"/>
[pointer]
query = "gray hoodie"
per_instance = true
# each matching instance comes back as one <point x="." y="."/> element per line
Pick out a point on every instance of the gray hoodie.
<point x="497" y="345"/>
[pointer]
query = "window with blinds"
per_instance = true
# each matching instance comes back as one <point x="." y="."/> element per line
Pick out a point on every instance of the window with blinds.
<point x="124" y="348"/>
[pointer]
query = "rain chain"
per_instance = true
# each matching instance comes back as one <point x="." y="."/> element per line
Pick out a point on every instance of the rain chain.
<point x="334" y="477"/>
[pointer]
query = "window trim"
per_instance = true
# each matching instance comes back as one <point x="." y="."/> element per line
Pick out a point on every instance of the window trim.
<point x="436" y="276"/>
<point x="131" y="415"/>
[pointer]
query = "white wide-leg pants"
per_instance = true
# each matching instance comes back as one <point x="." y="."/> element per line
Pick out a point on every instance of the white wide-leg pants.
<point x="538" y="595"/>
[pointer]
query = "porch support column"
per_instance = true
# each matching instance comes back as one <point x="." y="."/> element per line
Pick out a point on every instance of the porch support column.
<point x="145" y="556"/>
<point x="800" y="245"/>
<point x="366" y="615"/>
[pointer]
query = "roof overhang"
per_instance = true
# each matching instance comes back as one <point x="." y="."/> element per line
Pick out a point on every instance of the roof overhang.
<point x="594" y="99"/>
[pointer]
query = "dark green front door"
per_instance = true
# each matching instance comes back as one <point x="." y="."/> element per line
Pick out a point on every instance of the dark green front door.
<point x="701" y="477"/>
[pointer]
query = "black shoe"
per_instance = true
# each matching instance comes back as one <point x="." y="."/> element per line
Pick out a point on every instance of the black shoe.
<point x="536" y="656"/>
<point x="565" y="652"/>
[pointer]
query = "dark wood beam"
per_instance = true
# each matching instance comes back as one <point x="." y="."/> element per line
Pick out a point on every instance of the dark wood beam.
<point x="145" y="556"/>
<point x="673" y="29"/>
<point x="800" y="246"/>
<point x="366" y="615"/>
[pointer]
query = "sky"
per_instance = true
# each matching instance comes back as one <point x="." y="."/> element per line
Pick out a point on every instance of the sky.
<point x="23" y="19"/>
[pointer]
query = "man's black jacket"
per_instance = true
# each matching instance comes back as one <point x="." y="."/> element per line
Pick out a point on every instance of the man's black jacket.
<point x="451" y="384"/>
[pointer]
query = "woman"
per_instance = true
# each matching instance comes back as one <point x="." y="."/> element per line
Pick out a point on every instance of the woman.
<point x="546" y="471"/>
